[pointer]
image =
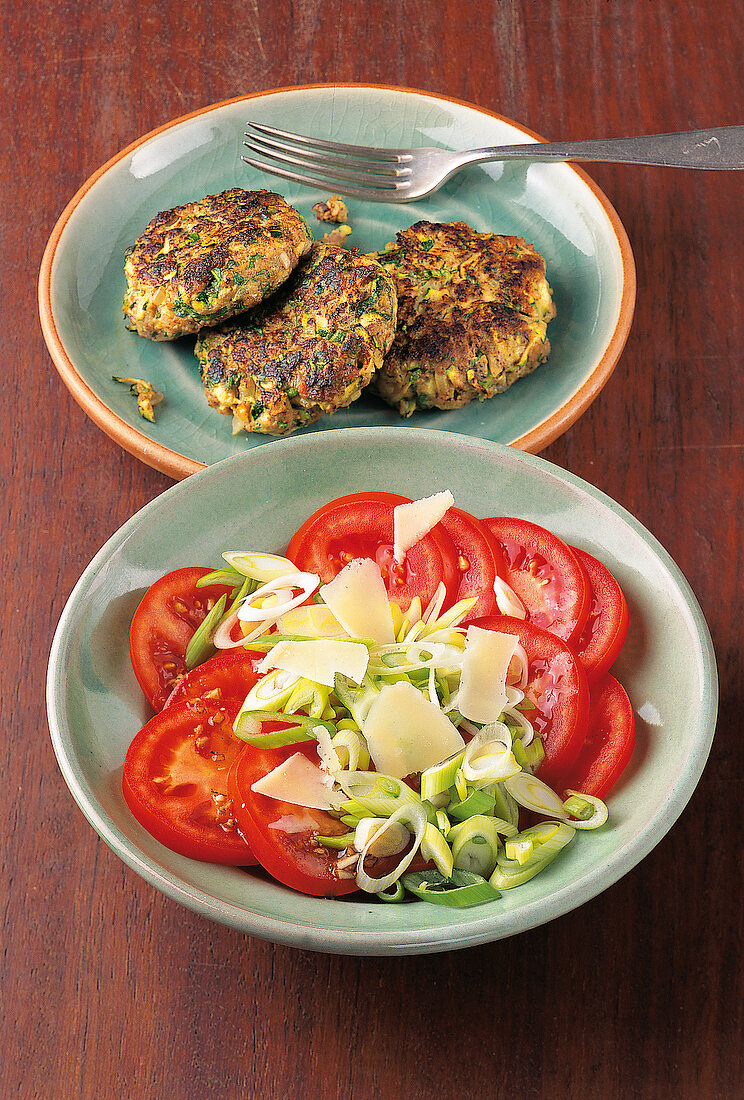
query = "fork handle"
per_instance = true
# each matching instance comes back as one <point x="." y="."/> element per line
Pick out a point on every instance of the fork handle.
<point x="719" y="148"/>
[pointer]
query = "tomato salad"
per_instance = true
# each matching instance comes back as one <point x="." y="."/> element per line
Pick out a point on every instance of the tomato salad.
<point x="412" y="702"/>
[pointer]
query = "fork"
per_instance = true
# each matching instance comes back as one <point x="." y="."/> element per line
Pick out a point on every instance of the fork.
<point x="402" y="175"/>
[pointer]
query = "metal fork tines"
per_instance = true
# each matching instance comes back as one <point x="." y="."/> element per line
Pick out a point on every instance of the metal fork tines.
<point x="327" y="163"/>
<point x="400" y="175"/>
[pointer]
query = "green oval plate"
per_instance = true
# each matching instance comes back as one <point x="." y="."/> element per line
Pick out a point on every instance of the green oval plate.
<point x="257" y="500"/>
<point x="557" y="207"/>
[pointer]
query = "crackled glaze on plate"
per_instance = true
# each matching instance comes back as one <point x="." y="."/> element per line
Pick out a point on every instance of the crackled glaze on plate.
<point x="257" y="500"/>
<point x="554" y="206"/>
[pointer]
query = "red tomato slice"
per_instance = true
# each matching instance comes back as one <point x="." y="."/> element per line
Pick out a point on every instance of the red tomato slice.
<point x="545" y="573"/>
<point x="162" y="627"/>
<point x="558" y="688"/>
<point x="361" y="526"/>
<point x="175" y="780"/>
<point x="229" y="674"/>
<point x="281" y="834"/>
<point x="606" y="628"/>
<point x="479" y="561"/>
<point x="609" y="741"/>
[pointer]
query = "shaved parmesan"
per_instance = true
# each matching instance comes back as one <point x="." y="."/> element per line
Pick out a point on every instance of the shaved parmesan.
<point x="319" y="660"/>
<point x="358" y="599"/>
<point x="407" y="733"/>
<point x="412" y="521"/>
<point x="311" y="621"/>
<point x="299" y="781"/>
<point x="485" y="664"/>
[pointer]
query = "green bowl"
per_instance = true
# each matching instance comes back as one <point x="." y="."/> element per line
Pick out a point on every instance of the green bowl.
<point x="557" y="207"/>
<point x="257" y="500"/>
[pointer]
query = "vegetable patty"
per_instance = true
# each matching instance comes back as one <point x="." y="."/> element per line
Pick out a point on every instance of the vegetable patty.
<point x="473" y="310"/>
<point x="199" y="264"/>
<point x="309" y="351"/>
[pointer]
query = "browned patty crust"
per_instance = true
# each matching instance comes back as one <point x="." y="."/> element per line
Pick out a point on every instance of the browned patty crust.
<point x="199" y="264"/>
<point x="473" y="310"/>
<point x="307" y="352"/>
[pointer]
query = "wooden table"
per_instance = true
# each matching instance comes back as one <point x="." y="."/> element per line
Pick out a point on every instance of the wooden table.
<point x="109" y="990"/>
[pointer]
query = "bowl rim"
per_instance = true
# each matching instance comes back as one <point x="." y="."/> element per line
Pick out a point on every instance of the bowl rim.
<point x="178" y="466"/>
<point x="469" y="930"/>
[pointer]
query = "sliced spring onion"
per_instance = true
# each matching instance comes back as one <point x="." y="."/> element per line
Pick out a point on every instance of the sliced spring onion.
<point x="414" y="818"/>
<point x="548" y="839"/>
<point x="223" y="635"/>
<point x="250" y="612"/>
<point x="300" y="727"/>
<point x="525" y="731"/>
<point x="519" y="668"/>
<point x="376" y="837"/>
<point x="598" y="814"/>
<point x="394" y="893"/>
<point x="259" y="566"/>
<point x="507" y="600"/>
<point x="504" y="805"/>
<point x="435" y="847"/>
<point x="222" y="576"/>
<point x="529" y="756"/>
<point x="474" y="803"/>
<point x="578" y="807"/>
<point x="519" y="849"/>
<point x="339" y="842"/>
<point x="380" y="795"/>
<point x="329" y="761"/>
<point x="308" y="695"/>
<point x="533" y="794"/>
<point x="201" y="644"/>
<point x="462" y="889"/>
<point x="475" y="845"/>
<point x="357" y="700"/>
<point x="434" y="607"/>
<point x="488" y="757"/>
<point x="290" y="735"/>
<point x="453" y="617"/>
<point x="497" y="824"/>
<point x="269" y="693"/>
<point x="440" y="777"/>
<point x="353" y="749"/>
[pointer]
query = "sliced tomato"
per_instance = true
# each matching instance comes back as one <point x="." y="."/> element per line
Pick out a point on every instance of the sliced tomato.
<point x="609" y="741"/>
<point x="175" y="780"/>
<point x="545" y="573"/>
<point x="361" y="526"/>
<point x="479" y="560"/>
<point x="162" y="627"/>
<point x="283" y="835"/>
<point x="229" y="674"/>
<point x="606" y="627"/>
<point x="556" y="686"/>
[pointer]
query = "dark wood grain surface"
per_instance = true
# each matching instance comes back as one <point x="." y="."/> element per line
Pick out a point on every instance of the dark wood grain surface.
<point x="110" y="990"/>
